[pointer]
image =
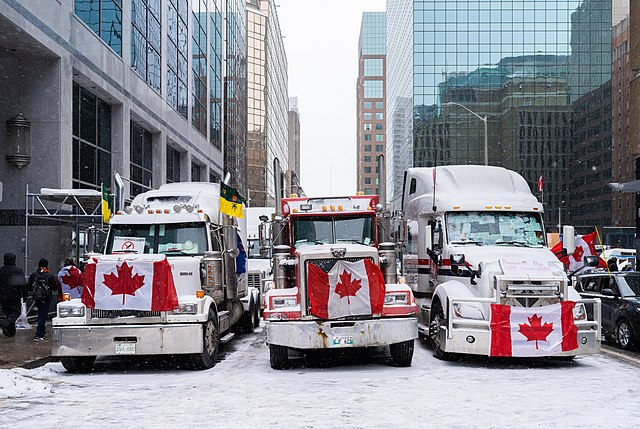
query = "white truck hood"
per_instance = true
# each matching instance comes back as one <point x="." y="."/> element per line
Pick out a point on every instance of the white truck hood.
<point x="492" y="256"/>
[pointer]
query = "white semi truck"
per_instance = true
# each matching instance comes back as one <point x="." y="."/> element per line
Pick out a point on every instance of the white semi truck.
<point x="169" y="282"/>
<point x="335" y="283"/>
<point x="476" y="238"/>
<point x="259" y="270"/>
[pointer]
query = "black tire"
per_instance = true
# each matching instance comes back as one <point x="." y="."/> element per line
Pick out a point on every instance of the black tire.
<point x="78" y="364"/>
<point x="247" y="321"/>
<point x="624" y="335"/>
<point x="279" y="357"/>
<point x="256" y="315"/>
<point x="402" y="353"/>
<point x="210" y="344"/>
<point x="437" y="320"/>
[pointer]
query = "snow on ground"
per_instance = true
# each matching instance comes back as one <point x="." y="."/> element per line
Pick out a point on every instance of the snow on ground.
<point x="242" y="391"/>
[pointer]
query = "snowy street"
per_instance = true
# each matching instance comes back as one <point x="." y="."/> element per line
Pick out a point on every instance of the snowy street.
<point x="243" y="391"/>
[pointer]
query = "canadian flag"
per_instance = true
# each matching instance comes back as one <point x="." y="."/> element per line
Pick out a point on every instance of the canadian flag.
<point x="130" y="285"/>
<point x="585" y="246"/>
<point x="541" y="183"/>
<point x="533" y="331"/>
<point x="71" y="281"/>
<point x="348" y="289"/>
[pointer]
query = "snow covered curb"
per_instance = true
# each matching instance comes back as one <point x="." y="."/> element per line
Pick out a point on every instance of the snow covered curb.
<point x="19" y="383"/>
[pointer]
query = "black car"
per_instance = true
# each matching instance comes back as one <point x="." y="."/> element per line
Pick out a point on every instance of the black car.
<point x="619" y="293"/>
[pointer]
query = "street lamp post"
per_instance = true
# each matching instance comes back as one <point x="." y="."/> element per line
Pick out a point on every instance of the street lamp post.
<point x="483" y="119"/>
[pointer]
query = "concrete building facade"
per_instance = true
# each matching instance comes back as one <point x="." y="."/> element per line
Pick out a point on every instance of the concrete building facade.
<point x="293" y="174"/>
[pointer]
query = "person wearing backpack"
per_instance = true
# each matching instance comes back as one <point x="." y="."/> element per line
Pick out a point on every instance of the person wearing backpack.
<point x="42" y="284"/>
<point x="12" y="290"/>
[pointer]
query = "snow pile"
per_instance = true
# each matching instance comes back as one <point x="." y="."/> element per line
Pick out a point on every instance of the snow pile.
<point x="19" y="383"/>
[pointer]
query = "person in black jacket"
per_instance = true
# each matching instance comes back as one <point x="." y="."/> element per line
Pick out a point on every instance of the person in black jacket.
<point x="43" y="304"/>
<point x="12" y="290"/>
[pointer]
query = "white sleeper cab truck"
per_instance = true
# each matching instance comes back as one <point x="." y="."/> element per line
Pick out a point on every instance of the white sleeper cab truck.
<point x="484" y="280"/>
<point x="259" y="270"/>
<point x="170" y="282"/>
<point x="335" y="285"/>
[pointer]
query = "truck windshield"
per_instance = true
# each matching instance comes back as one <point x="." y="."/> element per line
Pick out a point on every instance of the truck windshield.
<point x="314" y="230"/>
<point x="495" y="228"/>
<point x="188" y="238"/>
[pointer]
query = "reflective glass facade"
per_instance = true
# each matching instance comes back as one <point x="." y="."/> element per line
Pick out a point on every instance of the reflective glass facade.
<point x="529" y="67"/>
<point x="104" y="17"/>
<point x="145" y="40"/>
<point x="215" y="73"/>
<point x="199" y="67"/>
<point x="177" y="55"/>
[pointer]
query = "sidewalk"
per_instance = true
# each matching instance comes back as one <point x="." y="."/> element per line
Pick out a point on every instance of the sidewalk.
<point x="22" y="351"/>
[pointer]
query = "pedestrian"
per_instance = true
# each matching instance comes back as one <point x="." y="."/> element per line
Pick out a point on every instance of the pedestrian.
<point x="12" y="290"/>
<point x="612" y="264"/>
<point x="42" y="284"/>
<point x="70" y="280"/>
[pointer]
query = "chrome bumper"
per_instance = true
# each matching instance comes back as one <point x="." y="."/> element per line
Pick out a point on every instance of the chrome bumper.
<point x="321" y="334"/>
<point x="148" y="340"/>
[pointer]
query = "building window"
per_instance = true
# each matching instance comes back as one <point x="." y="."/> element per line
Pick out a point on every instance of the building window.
<point x="104" y="17"/>
<point x="177" y="54"/>
<point x="141" y="161"/>
<point x="367" y="170"/>
<point x="367" y="158"/>
<point x="379" y="127"/>
<point x="145" y="41"/>
<point x="368" y="191"/>
<point x="379" y="148"/>
<point x="215" y="75"/>
<point x="367" y="180"/>
<point x="367" y="105"/>
<point x="373" y="66"/>
<point x="380" y="116"/>
<point x="367" y="127"/>
<point x="368" y="116"/>
<point x="379" y="137"/>
<point x="91" y="158"/>
<point x="379" y="105"/>
<point x="173" y="165"/>
<point x="373" y="89"/>
<point x="199" y="67"/>
<point x="367" y="137"/>
<point x="367" y="148"/>
<point x="196" y="171"/>
<point x="213" y="177"/>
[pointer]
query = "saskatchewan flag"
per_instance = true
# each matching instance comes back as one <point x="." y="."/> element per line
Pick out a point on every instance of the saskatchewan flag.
<point x="107" y="204"/>
<point x="230" y="201"/>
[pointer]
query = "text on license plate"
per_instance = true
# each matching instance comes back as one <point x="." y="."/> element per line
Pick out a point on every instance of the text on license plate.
<point x="125" y="348"/>
<point x="343" y="341"/>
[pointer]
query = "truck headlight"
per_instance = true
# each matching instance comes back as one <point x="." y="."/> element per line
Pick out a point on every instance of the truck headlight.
<point x="396" y="298"/>
<point x="70" y="311"/>
<point x="579" y="312"/>
<point x="186" y="308"/>
<point x="283" y="302"/>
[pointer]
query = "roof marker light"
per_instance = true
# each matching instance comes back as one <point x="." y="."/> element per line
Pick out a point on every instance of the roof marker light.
<point x="456" y="207"/>
<point x="119" y="212"/>
<point x="340" y="208"/>
<point x="293" y="196"/>
<point x="535" y="208"/>
<point x="498" y="207"/>
<point x="200" y="211"/>
<point x="488" y="207"/>
<point x="150" y="211"/>
<point x="359" y="193"/>
<point x="507" y="207"/>
<point x="158" y="211"/>
<point x="333" y="208"/>
<point x="324" y="208"/>
<point x="167" y="211"/>
<point x="295" y="210"/>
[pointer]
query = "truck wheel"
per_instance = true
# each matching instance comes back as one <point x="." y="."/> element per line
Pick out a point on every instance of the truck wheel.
<point x="78" y="364"/>
<point x="210" y="343"/>
<point x="624" y="334"/>
<point x="437" y="320"/>
<point x="247" y="322"/>
<point x="402" y="353"/>
<point x="279" y="357"/>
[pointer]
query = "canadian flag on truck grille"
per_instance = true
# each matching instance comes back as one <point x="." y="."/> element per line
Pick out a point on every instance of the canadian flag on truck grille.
<point x="348" y="289"/>
<point x="130" y="285"/>
<point x="533" y="331"/>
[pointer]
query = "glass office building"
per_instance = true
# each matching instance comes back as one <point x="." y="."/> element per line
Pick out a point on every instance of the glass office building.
<point x="522" y="66"/>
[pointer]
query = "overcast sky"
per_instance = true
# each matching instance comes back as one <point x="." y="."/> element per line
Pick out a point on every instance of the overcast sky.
<point x="321" y="40"/>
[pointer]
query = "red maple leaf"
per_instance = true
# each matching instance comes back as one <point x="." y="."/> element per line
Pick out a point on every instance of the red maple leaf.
<point x="347" y="287"/>
<point x="124" y="283"/>
<point x="73" y="278"/>
<point x="535" y="331"/>
<point x="577" y="254"/>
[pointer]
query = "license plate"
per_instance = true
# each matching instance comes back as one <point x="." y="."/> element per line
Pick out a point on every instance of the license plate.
<point x="343" y="341"/>
<point x="125" y="348"/>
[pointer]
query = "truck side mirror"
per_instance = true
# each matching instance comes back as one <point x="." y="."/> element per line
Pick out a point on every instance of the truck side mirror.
<point x="591" y="261"/>
<point x="457" y="259"/>
<point x="427" y="238"/>
<point x="263" y="237"/>
<point x="568" y="240"/>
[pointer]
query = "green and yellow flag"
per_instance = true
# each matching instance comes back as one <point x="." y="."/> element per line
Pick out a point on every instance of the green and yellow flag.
<point x="107" y="204"/>
<point x="231" y="201"/>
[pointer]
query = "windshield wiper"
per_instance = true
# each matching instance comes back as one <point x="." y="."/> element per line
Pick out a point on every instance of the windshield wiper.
<point x="178" y="251"/>
<point x="513" y="243"/>
<point x="351" y="240"/>
<point x="477" y="243"/>
<point x="124" y="251"/>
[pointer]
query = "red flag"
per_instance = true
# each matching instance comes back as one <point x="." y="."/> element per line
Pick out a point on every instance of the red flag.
<point x="71" y="281"/>
<point x="541" y="183"/>
<point x="130" y="285"/>
<point x="533" y="331"/>
<point x="348" y="289"/>
<point x="585" y="246"/>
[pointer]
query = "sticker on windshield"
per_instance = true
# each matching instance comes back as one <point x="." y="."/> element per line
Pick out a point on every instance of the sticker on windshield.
<point x="129" y="244"/>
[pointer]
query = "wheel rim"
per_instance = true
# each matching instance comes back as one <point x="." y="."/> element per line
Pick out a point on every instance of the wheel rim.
<point x="209" y="339"/>
<point x="624" y="334"/>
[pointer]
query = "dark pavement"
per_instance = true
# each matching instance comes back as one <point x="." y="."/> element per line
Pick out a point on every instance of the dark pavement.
<point x="23" y="351"/>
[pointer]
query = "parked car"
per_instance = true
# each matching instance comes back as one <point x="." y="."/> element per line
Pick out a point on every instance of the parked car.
<point x="620" y="296"/>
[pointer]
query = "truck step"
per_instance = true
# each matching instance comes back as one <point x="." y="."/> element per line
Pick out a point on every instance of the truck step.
<point x="227" y="338"/>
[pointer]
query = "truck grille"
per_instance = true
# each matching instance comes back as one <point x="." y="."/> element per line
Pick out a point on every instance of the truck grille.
<point x="115" y="314"/>
<point x="528" y="293"/>
<point x="326" y="264"/>
<point x="253" y="280"/>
